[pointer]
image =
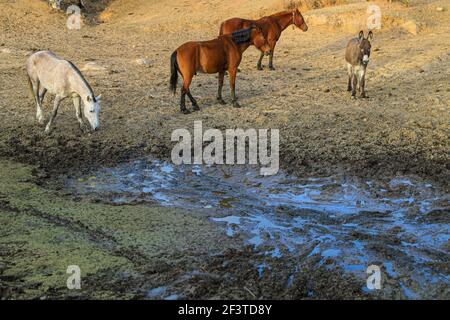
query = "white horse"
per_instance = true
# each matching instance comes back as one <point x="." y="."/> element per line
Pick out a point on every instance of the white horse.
<point x="47" y="72"/>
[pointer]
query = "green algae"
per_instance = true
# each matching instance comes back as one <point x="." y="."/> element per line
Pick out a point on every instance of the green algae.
<point x="42" y="232"/>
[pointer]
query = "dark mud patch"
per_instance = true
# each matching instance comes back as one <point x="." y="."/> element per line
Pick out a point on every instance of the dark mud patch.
<point x="340" y="223"/>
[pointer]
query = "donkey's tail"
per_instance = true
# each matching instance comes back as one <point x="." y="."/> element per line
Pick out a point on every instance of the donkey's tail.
<point x="173" y="72"/>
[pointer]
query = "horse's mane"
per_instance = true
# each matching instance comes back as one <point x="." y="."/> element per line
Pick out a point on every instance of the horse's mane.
<point x="242" y="36"/>
<point x="281" y="13"/>
<point x="83" y="79"/>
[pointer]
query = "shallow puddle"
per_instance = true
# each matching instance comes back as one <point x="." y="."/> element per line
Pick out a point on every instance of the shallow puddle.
<point x="400" y="224"/>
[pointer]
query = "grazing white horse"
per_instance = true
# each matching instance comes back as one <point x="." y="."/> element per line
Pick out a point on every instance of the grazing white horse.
<point x="47" y="72"/>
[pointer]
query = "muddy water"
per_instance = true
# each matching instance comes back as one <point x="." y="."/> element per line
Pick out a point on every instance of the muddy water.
<point x="401" y="224"/>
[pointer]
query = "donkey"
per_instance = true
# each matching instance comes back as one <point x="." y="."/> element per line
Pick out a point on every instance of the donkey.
<point x="47" y="72"/>
<point x="272" y="27"/>
<point x="357" y="56"/>
<point x="214" y="56"/>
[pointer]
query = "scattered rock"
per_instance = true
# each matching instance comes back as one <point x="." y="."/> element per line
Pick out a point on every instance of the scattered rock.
<point x="92" y="66"/>
<point x="6" y="50"/>
<point x="411" y="27"/>
<point x="144" y="62"/>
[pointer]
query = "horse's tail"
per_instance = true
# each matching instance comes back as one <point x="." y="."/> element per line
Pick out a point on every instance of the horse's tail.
<point x="30" y="85"/>
<point x="173" y="72"/>
<point x="221" y="28"/>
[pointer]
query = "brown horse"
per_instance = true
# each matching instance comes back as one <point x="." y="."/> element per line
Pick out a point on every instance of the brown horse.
<point x="272" y="27"/>
<point x="215" y="56"/>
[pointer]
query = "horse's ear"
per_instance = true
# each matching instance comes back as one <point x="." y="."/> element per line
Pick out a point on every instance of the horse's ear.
<point x="370" y="35"/>
<point x="99" y="97"/>
<point x="361" y="35"/>
<point x="88" y="99"/>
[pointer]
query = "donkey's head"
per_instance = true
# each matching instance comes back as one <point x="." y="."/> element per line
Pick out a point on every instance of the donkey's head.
<point x="298" y="20"/>
<point x="258" y="38"/>
<point x="92" y="110"/>
<point x="365" y="46"/>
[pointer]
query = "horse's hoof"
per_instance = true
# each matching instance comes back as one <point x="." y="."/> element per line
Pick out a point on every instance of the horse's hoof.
<point x="185" y="111"/>
<point x="84" y="128"/>
<point x="236" y="105"/>
<point x="271" y="68"/>
<point x="260" y="68"/>
<point x="47" y="130"/>
<point x="353" y="97"/>
<point x="196" y="108"/>
<point x="363" y="96"/>
<point x="221" y="101"/>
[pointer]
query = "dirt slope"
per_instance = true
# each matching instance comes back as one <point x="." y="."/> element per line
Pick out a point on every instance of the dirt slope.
<point x="402" y="127"/>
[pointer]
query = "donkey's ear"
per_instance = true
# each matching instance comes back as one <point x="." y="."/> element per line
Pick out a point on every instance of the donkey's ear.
<point x="361" y="35"/>
<point x="370" y="35"/>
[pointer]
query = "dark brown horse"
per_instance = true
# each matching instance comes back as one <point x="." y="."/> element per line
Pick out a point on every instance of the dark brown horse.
<point x="215" y="56"/>
<point x="272" y="27"/>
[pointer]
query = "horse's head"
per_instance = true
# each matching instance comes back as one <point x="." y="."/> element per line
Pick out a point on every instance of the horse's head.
<point x="258" y="38"/>
<point x="365" y="46"/>
<point x="298" y="20"/>
<point x="92" y="110"/>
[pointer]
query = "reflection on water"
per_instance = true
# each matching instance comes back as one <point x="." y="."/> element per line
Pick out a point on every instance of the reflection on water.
<point x="401" y="224"/>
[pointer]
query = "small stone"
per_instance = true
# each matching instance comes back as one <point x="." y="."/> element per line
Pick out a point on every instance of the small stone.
<point x="144" y="62"/>
<point x="411" y="27"/>
<point x="6" y="50"/>
<point x="440" y="9"/>
<point x="92" y="66"/>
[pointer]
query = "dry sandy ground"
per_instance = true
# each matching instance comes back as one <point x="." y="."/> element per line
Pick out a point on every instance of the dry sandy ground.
<point x="402" y="128"/>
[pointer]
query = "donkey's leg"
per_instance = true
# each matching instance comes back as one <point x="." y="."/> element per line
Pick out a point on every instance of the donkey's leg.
<point x="259" y="65"/>
<point x="54" y="113"/>
<point x="362" y="84"/>
<point x="349" y="73"/>
<point x="354" y="84"/>
<point x="219" y="91"/>
<point x="77" y="104"/>
<point x="232" y="72"/>
<point x="195" y="106"/>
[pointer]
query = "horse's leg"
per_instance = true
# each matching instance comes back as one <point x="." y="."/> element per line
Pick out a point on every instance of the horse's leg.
<point x="232" y="73"/>
<point x="54" y="113"/>
<point x="185" y="90"/>
<point x="77" y="104"/>
<point x="183" y="102"/>
<point x="271" y="59"/>
<point x="42" y="95"/>
<point x="195" y="106"/>
<point x="259" y="65"/>
<point x="37" y="97"/>
<point x="219" y="91"/>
